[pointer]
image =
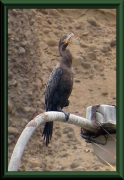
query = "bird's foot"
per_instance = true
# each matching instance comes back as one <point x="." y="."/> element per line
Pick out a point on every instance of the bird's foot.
<point x="66" y="116"/>
<point x="65" y="113"/>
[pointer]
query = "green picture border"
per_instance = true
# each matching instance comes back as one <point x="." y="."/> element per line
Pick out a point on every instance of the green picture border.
<point x="82" y="4"/>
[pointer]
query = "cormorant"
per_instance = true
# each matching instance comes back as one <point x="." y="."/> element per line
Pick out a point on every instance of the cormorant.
<point x="59" y="86"/>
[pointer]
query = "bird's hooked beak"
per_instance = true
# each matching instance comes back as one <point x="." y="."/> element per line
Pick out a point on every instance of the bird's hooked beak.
<point x="68" y="37"/>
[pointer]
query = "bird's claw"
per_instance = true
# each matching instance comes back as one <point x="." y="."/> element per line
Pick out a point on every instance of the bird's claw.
<point x="66" y="116"/>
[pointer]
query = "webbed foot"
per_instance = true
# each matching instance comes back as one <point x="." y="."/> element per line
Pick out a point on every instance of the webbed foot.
<point x="66" y="115"/>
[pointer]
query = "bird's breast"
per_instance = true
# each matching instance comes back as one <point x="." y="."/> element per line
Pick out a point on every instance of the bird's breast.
<point x="66" y="82"/>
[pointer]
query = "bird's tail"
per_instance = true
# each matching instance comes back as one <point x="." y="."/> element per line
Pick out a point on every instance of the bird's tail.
<point x="47" y="132"/>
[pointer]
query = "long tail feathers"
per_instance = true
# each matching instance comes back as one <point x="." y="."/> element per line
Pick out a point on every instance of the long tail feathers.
<point x="47" y="132"/>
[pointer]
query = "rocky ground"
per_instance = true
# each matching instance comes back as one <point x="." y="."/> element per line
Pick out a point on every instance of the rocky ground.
<point x="33" y="37"/>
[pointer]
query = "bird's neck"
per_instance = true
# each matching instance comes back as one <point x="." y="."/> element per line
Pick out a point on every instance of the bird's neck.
<point x="66" y="58"/>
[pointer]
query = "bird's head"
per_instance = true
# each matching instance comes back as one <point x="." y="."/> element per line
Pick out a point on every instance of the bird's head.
<point x="63" y="42"/>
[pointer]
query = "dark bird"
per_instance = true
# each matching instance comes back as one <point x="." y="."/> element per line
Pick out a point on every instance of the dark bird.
<point x="59" y="86"/>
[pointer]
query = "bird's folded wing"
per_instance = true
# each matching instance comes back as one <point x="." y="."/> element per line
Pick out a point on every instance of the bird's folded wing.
<point x="52" y="86"/>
